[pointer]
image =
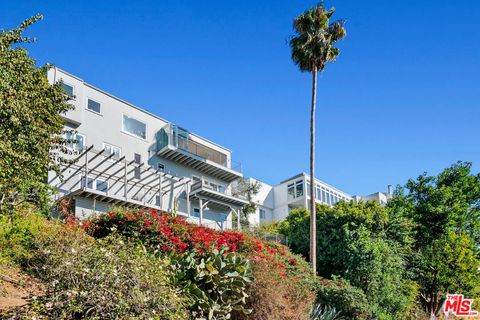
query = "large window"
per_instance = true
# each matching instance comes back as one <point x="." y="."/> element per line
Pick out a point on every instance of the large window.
<point x="135" y="127"/>
<point x="93" y="105"/>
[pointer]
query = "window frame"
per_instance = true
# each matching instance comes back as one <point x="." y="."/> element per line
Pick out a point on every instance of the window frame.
<point x="133" y="134"/>
<point x="260" y="211"/>
<point x="99" y="103"/>
<point x="104" y="144"/>
<point x="74" y="148"/>
<point x="70" y="85"/>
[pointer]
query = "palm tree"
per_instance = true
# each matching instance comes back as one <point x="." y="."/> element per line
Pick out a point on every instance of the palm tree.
<point x="312" y="48"/>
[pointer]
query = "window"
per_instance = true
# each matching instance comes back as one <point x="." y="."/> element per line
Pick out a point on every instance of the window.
<point x="161" y="167"/>
<point x="101" y="185"/>
<point x="291" y="190"/>
<point x="196" y="212"/>
<point x="299" y="188"/>
<point x="89" y="183"/>
<point x="110" y="149"/>
<point x="68" y="89"/>
<point x="308" y="189"/>
<point x="77" y="141"/>
<point x="262" y="214"/>
<point x="317" y="193"/>
<point x="93" y="106"/>
<point x="135" y="127"/>
<point x="138" y="159"/>
<point x="324" y="196"/>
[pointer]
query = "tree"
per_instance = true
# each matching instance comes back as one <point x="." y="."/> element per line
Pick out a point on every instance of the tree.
<point x="248" y="189"/>
<point x="364" y="244"/>
<point x="312" y="48"/>
<point x="30" y="122"/>
<point x="445" y="210"/>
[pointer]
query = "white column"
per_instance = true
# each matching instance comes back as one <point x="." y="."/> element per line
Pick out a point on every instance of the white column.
<point x="200" y="201"/>
<point x="187" y="191"/>
<point x="239" y="227"/>
<point x="160" y="193"/>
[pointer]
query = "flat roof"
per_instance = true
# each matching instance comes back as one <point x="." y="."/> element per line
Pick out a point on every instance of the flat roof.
<point x="134" y="106"/>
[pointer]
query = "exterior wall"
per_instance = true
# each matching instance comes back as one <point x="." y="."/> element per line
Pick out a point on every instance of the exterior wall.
<point x="107" y="127"/>
<point x="381" y="197"/>
<point x="264" y="200"/>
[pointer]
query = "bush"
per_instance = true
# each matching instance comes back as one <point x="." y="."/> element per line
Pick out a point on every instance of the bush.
<point x="20" y="234"/>
<point x="216" y="282"/>
<point x="275" y="295"/>
<point x="364" y="243"/>
<point x="103" y="279"/>
<point x="273" y="265"/>
<point x="349" y="300"/>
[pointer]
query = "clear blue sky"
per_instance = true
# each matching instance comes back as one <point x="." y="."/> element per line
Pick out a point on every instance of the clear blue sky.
<point x="402" y="98"/>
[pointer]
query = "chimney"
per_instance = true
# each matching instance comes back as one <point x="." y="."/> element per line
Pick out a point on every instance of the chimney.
<point x="389" y="191"/>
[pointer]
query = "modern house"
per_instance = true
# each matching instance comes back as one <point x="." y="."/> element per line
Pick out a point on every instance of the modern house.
<point x="274" y="203"/>
<point x="123" y="155"/>
<point x="127" y="156"/>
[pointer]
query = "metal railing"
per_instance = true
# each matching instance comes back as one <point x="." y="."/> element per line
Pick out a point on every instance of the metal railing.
<point x="186" y="144"/>
<point x="206" y="184"/>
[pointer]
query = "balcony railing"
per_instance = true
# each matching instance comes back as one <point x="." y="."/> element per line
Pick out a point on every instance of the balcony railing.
<point x="180" y="138"/>
<point x="206" y="184"/>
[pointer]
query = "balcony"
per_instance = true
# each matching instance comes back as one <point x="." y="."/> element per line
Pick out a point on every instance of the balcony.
<point x="177" y="144"/>
<point x="216" y="194"/>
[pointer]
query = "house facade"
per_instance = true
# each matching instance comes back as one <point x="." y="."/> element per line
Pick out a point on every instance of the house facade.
<point x="122" y="155"/>
<point x="127" y="156"/>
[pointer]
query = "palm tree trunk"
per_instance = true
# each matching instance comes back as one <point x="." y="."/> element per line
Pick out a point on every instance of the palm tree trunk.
<point x="313" y="215"/>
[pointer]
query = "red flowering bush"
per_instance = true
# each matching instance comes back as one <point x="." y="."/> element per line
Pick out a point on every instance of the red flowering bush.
<point x="272" y="264"/>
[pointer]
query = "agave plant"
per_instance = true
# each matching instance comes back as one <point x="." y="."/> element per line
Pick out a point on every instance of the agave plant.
<point x="325" y="313"/>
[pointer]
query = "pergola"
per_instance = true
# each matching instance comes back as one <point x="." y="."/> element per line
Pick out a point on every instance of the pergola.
<point x="135" y="185"/>
<point x="127" y="183"/>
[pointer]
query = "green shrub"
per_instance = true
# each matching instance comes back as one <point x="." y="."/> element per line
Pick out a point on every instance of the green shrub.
<point x="349" y="300"/>
<point x="103" y="279"/>
<point x="20" y="234"/>
<point x="216" y="282"/>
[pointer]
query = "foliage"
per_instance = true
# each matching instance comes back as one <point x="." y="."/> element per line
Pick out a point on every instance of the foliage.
<point x="276" y="294"/>
<point x="216" y="282"/>
<point x="248" y="189"/>
<point x="20" y="234"/>
<point x="364" y="244"/>
<point x="296" y="227"/>
<point x="30" y="123"/>
<point x="313" y="44"/>
<point x="445" y="210"/>
<point x="88" y="278"/>
<point x="340" y="295"/>
<point x="104" y="279"/>
<point x="165" y="233"/>
<point x="325" y="313"/>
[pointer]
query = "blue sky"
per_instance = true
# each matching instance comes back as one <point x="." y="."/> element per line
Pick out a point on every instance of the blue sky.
<point x="402" y="98"/>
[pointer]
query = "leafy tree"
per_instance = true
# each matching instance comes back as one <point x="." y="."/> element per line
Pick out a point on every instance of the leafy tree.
<point x="312" y="48"/>
<point x="30" y="122"/>
<point x="247" y="189"/>
<point x="364" y="244"/>
<point x="445" y="210"/>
